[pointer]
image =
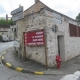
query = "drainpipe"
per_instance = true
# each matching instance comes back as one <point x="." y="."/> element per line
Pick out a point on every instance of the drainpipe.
<point x="45" y="45"/>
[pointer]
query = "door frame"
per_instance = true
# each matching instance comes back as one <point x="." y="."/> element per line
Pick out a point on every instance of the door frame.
<point x="60" y="36"/>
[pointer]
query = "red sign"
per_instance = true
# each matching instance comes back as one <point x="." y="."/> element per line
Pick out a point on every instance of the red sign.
<point x="34" y="38"/>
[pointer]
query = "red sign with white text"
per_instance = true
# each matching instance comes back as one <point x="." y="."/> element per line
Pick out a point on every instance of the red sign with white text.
<point x="34" y="38"/>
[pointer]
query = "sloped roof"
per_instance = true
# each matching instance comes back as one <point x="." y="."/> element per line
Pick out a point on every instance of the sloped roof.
<point x="34" y="4"/>
<point x="47" y="8"/>
<point x="4" y="26"/>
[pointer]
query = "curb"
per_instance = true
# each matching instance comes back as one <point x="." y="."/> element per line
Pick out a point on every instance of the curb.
<point x="19" y="69"/>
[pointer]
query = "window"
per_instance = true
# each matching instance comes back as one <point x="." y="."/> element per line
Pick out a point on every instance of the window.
<point x="73" y="30"/>
<point x="79" y="31"/>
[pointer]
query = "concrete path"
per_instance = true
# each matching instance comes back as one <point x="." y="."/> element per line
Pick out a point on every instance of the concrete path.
<point x="66" y="68"/>
<point x="33" y="66"/>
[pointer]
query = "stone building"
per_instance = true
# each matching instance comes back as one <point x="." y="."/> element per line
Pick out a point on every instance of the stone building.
<point x="62" y="34"/>
<point x="4" y="29"/>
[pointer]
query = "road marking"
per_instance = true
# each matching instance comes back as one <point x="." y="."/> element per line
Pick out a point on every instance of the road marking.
<point x="77" y="73"/>
<point x="74" y="76"/>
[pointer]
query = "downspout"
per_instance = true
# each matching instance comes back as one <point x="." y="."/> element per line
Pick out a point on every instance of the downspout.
<point x="45" y="45"/>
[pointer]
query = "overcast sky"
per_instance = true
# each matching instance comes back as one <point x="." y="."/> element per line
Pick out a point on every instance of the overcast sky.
<point x="70" y="8"/>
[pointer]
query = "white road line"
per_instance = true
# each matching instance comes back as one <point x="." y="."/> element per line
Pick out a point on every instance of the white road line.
<point x="74" y="76"/>
<point x="70" y="77"/>
<point x="77" y="73"/>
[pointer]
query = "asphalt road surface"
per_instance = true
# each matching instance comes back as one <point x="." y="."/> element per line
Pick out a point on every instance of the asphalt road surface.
<point x="9" y="74"/>
<point x="4" y="46"/>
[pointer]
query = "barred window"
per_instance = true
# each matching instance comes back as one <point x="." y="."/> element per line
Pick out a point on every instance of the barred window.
<point x="79" y="31"/>
<point x="73" y="30"/>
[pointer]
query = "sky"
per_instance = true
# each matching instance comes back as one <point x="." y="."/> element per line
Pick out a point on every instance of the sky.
<point x="70" y="8"/>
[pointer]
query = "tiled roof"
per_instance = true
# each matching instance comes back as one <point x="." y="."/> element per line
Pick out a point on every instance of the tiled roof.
<point x="4" y="26"/>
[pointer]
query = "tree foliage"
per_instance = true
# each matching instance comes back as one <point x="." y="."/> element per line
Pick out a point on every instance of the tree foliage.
<point x="6" y="22"/>
<point x="78" y="17"/>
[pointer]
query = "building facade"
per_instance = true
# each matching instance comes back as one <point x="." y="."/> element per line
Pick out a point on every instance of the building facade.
<point x="61" y="32"/>
<point x="4" y="29"/>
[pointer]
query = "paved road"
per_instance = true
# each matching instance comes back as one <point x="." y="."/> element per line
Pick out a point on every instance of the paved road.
<point x="5" y="46"/>
<point x="9" y="74"/>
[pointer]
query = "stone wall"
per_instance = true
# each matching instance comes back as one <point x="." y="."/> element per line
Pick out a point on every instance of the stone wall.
<point x="70" y="46"/>
<point x="34" y="8"/>
<point x="30" y="23"/>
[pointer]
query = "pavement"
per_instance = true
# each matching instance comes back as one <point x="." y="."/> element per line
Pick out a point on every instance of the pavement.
<point x="10" y="60"/>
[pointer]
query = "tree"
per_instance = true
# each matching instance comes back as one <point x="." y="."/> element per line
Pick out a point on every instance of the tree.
<point x="5" y="22"/>
<point x="78" y="17"/>
<point x="10" y="22"/>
